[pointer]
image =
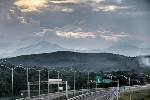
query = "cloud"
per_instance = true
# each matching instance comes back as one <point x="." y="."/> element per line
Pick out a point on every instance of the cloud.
<point x="31" y="5"/>
<point x="101" y="23"/>
<point x="123" y="38"/>
<point x="75" y="35"/>
<point x="99" y="7"/>
<point x="12" y="16"/>
<point x="67" y="10"/>
<point x="119" y="1"/>
<point x="64" y="1"/>
<point x="14" y="26"/>
<point x="78" y="33"/>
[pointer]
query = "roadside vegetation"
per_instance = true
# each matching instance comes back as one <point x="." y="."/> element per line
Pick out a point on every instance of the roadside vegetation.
<point x="81" y="79"/>
<point x="137" y="95"/>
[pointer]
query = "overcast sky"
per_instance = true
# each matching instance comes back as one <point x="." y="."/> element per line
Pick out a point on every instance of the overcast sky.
<point x="74" y="24"/>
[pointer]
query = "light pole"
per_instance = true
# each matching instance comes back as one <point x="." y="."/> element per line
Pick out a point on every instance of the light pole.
<point x="129" y="85"/>
<point x="66" y="82"/>
<point x="88" y="82"/>
<point x="58" y="85"/>
<point x="39" y="81"/>
<point x="117" y="89"/>
<point x="96" y="82"/>
<point x="74" y="80"/>
<point x="111" y="79"/>
<point x="27" y="81"/>
<point x="130" y="88"/>
<point x="74" y="83"/>
<point x="48" y="84"/>
<point x="39" y="85"/>
<point x="12" y="76"/>
<point x="12" y="82"/>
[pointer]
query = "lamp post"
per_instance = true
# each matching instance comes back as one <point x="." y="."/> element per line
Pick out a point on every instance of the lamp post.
<point x="88" y="82"/>
<point x="58" y="85"/>
<point x="117" y="89"/>
<point x="39" y="85"/>
<point x="12" y="69"/>
<point x="38" y="82"/>
<point x="74" y="80"/>
<point x="130" y="88"/>
<point x="12" y="76"/>
<point x="66" y="82"/>
<point x="27" y="81"/>
<point x="74" y="83"/>
<point x="48" y="84"/>
<point x="129" y="85"/>
<point x="12" y="82"/>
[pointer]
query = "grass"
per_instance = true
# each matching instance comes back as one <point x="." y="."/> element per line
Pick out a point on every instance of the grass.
<point x="136" y="95"/>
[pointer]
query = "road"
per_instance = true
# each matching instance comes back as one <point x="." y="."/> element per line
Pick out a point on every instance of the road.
<point x="99" y="95"/>
<point x="51" y="95"/>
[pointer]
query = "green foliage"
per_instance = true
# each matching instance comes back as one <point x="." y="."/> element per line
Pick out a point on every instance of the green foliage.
<point x="137" y="95"/>
<point x="92" y="62"/>
<point x="79" y="61"/>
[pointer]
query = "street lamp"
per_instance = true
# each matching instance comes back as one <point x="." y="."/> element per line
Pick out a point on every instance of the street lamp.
<point x="12" y="74"/>
<point x="39" y="84"/>
<point x="27" y="80"/>
<point x="74" y="83"/>
<point x="130" y="88"/>
<point x="88" y="82"/>
<point x="129" y="84"/>
<point x="39" y="81"/>
<point x="87" y="79"/>
<point x="74" y="79"/>
<point x="117" y="88"/>
<point x="58" y="86"/>
<point x="48" y="84"/>
<point x="53" y="69"/>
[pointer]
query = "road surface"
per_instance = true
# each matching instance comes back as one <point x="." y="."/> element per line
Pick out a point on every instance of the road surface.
<point x="99" y="95"/>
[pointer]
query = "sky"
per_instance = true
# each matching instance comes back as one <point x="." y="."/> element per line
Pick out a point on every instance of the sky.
<point x="74" y="24"/>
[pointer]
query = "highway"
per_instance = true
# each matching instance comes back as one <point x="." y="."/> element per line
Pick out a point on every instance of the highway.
<point x="99" y="95"/>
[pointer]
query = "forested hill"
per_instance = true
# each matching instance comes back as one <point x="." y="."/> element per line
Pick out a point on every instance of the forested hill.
<point x="78" y="61"/>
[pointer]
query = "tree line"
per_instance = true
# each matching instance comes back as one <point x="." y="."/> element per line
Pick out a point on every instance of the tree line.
<point x="82" y="81"/>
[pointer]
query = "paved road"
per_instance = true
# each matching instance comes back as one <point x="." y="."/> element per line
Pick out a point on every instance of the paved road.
<point x="51" y="95"/>
<point x="99" y="95"/>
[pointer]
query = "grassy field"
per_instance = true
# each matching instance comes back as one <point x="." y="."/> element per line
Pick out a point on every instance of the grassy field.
<point x="137" y="95"/>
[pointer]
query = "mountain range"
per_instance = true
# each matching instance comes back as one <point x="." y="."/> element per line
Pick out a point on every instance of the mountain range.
<point x="46" y="47"/>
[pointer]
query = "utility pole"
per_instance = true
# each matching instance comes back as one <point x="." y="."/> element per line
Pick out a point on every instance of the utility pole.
<point x="117" y="89"/>
<point x="88" y="83"/>
<point x="39" y="85"/>
<point x="12" y="83"/>
<point x="58" y="85"/>
<point x="27" y="81"/>
<point x="74" y="84"/>
<point x="48" y="84"/>
<point x="130" y="88"/>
